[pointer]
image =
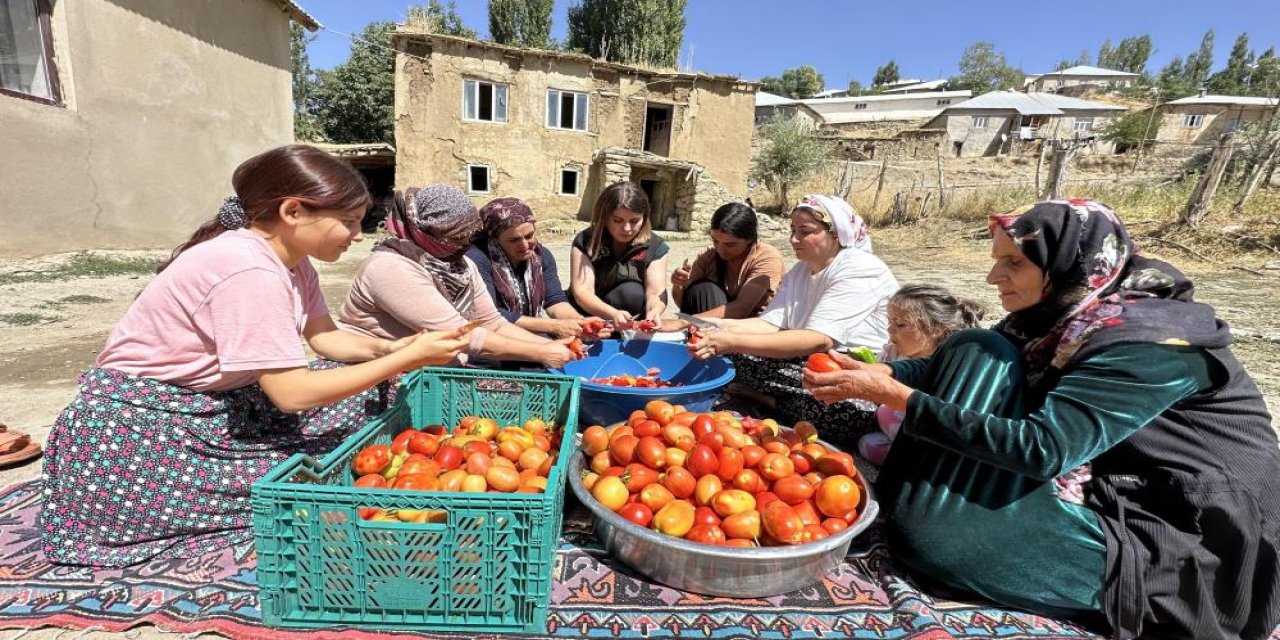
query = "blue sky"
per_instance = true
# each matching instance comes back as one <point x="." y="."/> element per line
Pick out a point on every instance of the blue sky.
<point x="847" y="39"/>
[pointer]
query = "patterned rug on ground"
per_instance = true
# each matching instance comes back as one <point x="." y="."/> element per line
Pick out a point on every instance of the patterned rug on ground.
<point x="592" y="597"/>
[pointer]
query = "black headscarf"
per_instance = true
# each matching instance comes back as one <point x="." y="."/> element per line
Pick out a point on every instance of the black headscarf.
<point x="1098" y="290"/>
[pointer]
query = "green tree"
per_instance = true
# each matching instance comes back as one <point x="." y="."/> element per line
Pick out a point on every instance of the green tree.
<point x="790" y="153"/>
<point x="1131" y="129"/>
<point x="1196" y="69"/>
<point x="984" y="69"/>
<point x="437" y="17"/>
<point x="1105" y="53"/>
<point x="856" y="88"/>
<point x="305" y="125"/>
<point x="1264" y="80"/>
<point x="355" y="100"/>
<point x="797" y="82"/>
<point x="629" y="31"/>
<point x="1233" y="80"/>
<point x="1173" y="80"/>
<point x="521" y="23"/>
<point x="1131" y="55"/>
<point x="885" y="74"/>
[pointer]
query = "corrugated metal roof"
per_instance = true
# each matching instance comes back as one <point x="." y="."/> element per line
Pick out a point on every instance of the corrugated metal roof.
<point x="766" y="99"/>
<point x="1031" y="104"/>
<point x="917" y="86"/>
<point x="1086" y="70"/>
<point x="896" y="115"/>
<point x="1239" y="100"/>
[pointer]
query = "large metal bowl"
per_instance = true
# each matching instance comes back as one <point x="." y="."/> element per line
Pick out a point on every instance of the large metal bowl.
<point x="721" y="571"/>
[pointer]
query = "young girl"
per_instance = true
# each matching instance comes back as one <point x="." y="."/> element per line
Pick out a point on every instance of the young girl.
<point x="618" y="266"/>
<point x="921" y="316"/>
<point x="204" y="385"/>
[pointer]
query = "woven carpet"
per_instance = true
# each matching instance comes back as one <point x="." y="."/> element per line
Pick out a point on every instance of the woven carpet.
<point x="592" y="596"/>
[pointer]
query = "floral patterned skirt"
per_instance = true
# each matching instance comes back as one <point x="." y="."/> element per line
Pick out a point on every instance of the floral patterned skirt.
<point x="839" y="424"/>
<point x="137" y="469"/>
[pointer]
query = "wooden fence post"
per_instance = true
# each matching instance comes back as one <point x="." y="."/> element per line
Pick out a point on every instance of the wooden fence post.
<point x="875" y="202"/>
<point x="1202" y="196"/>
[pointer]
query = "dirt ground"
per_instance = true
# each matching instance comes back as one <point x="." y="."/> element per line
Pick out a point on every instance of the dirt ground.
<point x="39" y="363"/>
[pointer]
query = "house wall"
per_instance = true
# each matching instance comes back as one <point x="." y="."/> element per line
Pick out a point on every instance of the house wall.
<point x="162" y="100"/>
<point x="901" y="108"/>
<point x="972" y="140"/>
<point x="712" y="122"/>
<point x="1218" y="119"/>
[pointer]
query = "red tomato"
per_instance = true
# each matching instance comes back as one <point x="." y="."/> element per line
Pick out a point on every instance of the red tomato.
<point x="834" y="525"/>
<point x="675" y="519"/>
<point x="623" y="449"/>
<point x="765" y="497"/>
<point x="706" y="534"/>
<point x="423" y="443"/>
<point x="679" y="481"/>
<point x="781" y="522"/>
<point x="703" y="424"/>
<point x="637" y="512"/>
<point x="651" y="452"/>
<point x="701" y="515"/>
<point x="793" y="489"/>
<point x="655" y="496"/>
<point x="801" y="462"/>
<point x="660" y="411"/>
<point x="611" y="493"/>
<point x="837" y="496"/>
<point x="836" y="463"/>
<point x="414" y="466"/>
<point x="371" y="480"/>
<point x="751" y="455"/>
<point x="373" y="459"/>
<point x="732" y="502"/>
<point x="730" y="463"/>
<point x="417" y="482"/>
<point x="638" y="476"/>
<point x="742" y="525"/>
<point x="647" y="427"/>
<point x="808" y="514"/>
<point x="701" y="461"/>
<point x="815" y="532"/>
<point x="822" y="363"/>
<point x="449" y="457"/>
<point x="401" y="441"/>
<point x="750" y="481"/>
<point x="775" y="466"/>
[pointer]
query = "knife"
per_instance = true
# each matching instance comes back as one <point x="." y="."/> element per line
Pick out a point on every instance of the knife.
<point x="701" y="323"/>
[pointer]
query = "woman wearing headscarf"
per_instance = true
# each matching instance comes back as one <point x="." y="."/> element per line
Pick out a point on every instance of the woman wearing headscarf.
<point x="1170" y="527"/>
<point x="520" y="273"/>
<point x="835" y="295"/>
<point x="420" y="279"/>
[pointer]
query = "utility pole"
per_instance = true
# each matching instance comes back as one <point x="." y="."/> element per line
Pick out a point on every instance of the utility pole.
<point x="1155" y="99"/>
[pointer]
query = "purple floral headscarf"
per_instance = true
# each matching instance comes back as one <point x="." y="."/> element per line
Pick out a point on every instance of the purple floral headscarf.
<point x="440" y="221"/>
<point x="498" y="216"/>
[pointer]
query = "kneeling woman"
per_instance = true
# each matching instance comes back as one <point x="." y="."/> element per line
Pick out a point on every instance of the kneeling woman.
<point x="837" y="294"/>
<point x="618" y="266"/>
<point x="204" y="386"/>
<point x="421" y="280"/>
<point x="737" y="277"/>
<point x="1104" y="360"/>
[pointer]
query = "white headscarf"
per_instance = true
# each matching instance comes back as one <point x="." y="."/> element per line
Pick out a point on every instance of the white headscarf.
<point x="851" y="230"/>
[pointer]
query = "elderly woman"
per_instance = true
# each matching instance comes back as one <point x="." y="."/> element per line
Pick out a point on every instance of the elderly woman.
<point x="1104" y="360"/>
<point x="737" y="277"/>
<point x="835" y="295"/>
<point x="618" y="265"/>
<point x="420" y="279"/>
<point x="520" y="273"/>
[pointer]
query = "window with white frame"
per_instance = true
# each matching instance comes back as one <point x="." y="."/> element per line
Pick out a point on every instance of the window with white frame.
<point x="570" y="181"/>
<point x="478" y="178"/>
<point x="484" y="101"/>
<point x="567" y="110"/>
<point x="980" y="122"/>
<point x="1084" y="125"/>
<point x="1192" y="120"/>
<point x="26" y="51"/>
<point x="860" y="105"/>
<point x="944" y="102"/>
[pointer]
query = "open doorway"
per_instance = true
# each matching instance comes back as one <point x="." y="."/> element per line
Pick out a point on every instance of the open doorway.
<point x="657" y="129"/>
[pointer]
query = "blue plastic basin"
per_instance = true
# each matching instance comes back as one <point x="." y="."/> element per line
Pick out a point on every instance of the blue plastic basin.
<point x="701" y="380"/>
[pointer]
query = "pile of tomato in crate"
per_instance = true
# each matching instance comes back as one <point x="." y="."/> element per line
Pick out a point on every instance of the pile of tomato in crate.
<point x="719" y="479"/>
<point x="475" y="456"/>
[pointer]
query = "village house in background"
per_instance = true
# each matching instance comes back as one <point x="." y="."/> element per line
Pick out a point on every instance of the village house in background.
<point x="771" y="107"/>
<point x="1078" y="80"/>
<point x="1012" y="122"/>
<point x="1203" y="119"/>
<point x="555" y="128"/>
<point x="123" y="119"/>
<point x="914" y="86"/>
<point x="878" y="114"/>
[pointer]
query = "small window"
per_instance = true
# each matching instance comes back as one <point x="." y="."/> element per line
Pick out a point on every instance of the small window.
<point x="860" y="105"/>
<point x="1084" y="125"/>
<point x="944" y="102"/>
<point x="569" y="179"/>
<point x="567" y="110"/>
<point x="484" y="101"/>
<point x="980" y="122"/>
<point x="26" y="51"/>
<point x="478" y="178"/>
<point x="1192" y="120"/>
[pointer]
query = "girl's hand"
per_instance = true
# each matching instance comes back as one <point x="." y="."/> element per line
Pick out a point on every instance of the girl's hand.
<point x="436" y="347"/>
<point x="620" y="319"/>
<point x="709" y="345"/>
<point x="680" y="276"/>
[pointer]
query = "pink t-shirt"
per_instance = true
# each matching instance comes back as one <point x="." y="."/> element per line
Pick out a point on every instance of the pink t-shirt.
<point x="225" y="309"/>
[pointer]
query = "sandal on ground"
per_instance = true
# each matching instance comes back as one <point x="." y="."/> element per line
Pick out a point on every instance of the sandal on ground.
<point x="16" y="447"/>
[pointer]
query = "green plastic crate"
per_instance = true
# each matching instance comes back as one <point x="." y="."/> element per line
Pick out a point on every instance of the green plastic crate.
<point x="488" y="568"/>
